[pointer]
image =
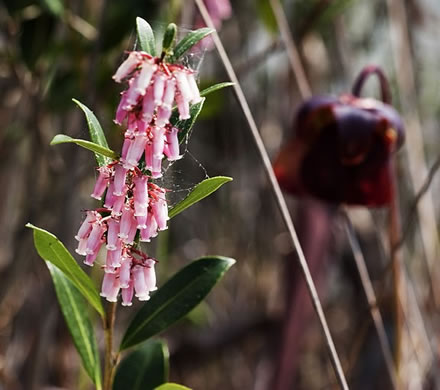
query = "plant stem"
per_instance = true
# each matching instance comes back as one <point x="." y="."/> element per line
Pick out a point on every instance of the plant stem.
<point x="109" y="361"/>
<point x="372" y="299"/>
<point x="394" y="237"/>
<point x="334" y="358"/>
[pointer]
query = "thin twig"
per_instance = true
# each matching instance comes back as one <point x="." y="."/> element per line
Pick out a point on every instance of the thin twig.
<point x="372" y="300"/>
<point x="416" y="311"/>
<point x="279" y="199"/>
<point x="414" y="205"/>
<point x="400" y="43"/>
<point x="396" y="266"/>
<point x="292" y="52"/>
<point x="253" y="62"/>
<point x="109" y="322"/>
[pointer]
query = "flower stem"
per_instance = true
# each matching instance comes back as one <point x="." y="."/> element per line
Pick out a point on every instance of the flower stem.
<point x="396" y="266"/>
<point x="109" y="361"/>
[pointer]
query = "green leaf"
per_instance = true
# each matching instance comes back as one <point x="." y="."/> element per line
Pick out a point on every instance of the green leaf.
<point x="200" y="191"/>
<point x="98" y="149"/>
<point x="186" y="125"/>
<point x="75" y="313"/>
<point x="96" y="134"/>
<point x="172" y="386"/>
<point x="51" y="249"/>
<point x="216" y="87"/>
<point x="189" y="41"/>
<point x="143" y="369"/>
<point x="145" y="36"/>
<point x="56" y="7"/>
<point x="176" y="298"/>
<point x="168" y="38"/>
<point x="266" y="15"/>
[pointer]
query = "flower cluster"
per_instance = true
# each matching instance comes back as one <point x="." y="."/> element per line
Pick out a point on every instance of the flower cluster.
<point x="134" y="208"/>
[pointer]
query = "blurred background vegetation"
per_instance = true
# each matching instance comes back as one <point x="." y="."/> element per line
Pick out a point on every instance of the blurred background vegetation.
<point x="55" y="50"/>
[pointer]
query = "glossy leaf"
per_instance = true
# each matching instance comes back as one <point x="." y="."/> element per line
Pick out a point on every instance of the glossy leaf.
<point x="216" y="87"/>
<point x="200" y="191"/>
<point x="145" y="36"/>
<point x="176" y="298"/>
<point x="51" y="249"/>
<point x="96" y="133"/>
<point x="79" y="324"/>
<point x="186" y="125"/>
<point x="98" y="149"/>
<point x="189" y="41"/>
<point x="143" y="369"/>
<point x="172" y="386"/>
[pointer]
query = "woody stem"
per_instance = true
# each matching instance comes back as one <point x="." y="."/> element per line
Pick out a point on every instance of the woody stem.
<point x="109" y="361"/>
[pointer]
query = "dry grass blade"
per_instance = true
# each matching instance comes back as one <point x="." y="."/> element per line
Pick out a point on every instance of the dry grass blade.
<point x="414" y="205"/>
<point x="291" y="49"/>
<point x="279" y="198"/>
<point x="416" y="155"/>
<point x="372" y="300"/>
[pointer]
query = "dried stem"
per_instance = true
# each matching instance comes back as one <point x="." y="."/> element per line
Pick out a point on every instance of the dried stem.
<point x="109" y="361"/>
<point x="414" y="205"/>
<point x="291" y="49"/>
<point x="394" y="237"/>
<point x="405" y="78"/>
<point x="372" y="300"/>
<point x="279" y="198"/>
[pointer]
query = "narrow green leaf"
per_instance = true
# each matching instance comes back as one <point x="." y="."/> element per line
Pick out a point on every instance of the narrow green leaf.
<point x="145" y="36"/>
<point x="75" y="313"/>
<point x="176" y="298"/>
<point x="186" y="125"/>
<point x="200" y="191"/>
<point x="96" y="133"/>
<point x="172" y="386"/>
<point x="189" y="41"/>
<point x="98" y="149"/>
<point x="143" y="369"/>
<point x="216" y="87"/>
<point x="51" y="249"/>
<point x="169" y="38"/>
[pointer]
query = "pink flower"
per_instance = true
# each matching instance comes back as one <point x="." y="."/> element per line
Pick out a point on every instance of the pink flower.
<point x="110" y="287"/>
<point x="140" y="195"/>
<point x="112" y="234"/>
<point x="128" y="66"/>
<point x="101" y="182"/>
<point x="86" y="226"/>
<point x="127" y="294"/>
<point x="95" y="237"/>
<point x="171" y="148"/>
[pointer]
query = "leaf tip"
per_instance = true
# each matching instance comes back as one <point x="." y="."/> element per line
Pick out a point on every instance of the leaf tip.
<point x="229" y="261"/>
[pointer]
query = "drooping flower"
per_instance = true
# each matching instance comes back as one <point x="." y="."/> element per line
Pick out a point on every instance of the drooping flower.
<point x="341" y="150"/>
<point x="153" y="86"/>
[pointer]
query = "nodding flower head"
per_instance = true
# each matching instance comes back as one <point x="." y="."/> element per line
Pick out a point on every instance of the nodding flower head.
<point x="341" y="148"/>
<point x="153" y="87"/>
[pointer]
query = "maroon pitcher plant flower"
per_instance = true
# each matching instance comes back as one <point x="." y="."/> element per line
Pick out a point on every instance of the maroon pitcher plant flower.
<point x="342" y="146"/>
